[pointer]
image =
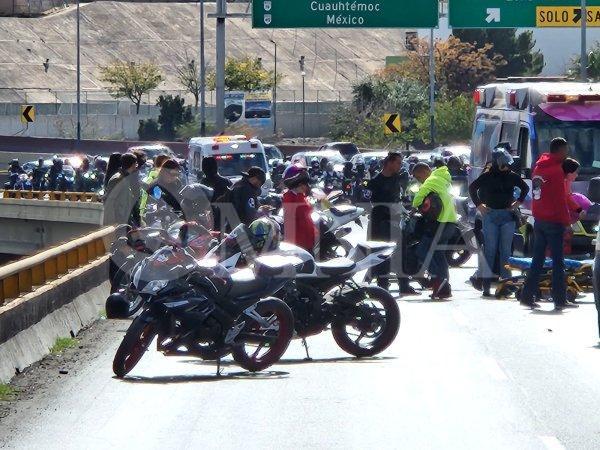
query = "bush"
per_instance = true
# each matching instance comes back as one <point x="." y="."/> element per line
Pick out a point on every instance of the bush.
<point x="453" y="121"/>
<point x="148" y="130"/>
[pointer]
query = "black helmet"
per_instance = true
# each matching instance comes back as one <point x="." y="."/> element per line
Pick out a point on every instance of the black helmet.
<point x="117" y="306"/>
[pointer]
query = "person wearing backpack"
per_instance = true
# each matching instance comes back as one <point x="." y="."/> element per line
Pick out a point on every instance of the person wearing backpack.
<point x="493" y="193"/>
<point x="435" y="188"/>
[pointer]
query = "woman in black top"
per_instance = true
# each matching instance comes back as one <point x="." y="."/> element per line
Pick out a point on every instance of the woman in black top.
<point x="494" y="196"/>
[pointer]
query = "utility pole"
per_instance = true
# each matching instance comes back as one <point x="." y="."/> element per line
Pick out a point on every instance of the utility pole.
<point x="432" y="90"/>
<point x="221" y="15"/>
<point x="584" y="54"/>
<point x="78" y="78"/>
<point x="202" y="74"/>
<point x="220" y="65"/>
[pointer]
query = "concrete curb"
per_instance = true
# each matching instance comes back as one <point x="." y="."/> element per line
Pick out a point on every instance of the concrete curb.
<point x="30" y="325"/>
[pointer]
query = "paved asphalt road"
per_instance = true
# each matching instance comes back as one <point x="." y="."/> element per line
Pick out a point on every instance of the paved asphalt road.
<point x="465" y="374"/>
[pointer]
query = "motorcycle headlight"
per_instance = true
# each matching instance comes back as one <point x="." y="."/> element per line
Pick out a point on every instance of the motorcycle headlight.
<point x="154" y="286"/>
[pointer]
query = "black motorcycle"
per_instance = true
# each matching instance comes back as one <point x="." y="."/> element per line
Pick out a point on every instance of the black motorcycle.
<point x="205" y="312"/>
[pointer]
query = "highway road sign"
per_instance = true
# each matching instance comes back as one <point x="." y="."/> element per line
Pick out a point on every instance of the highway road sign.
<point x="344" y="14"/>
<point x="27" y="114"/>
<point x="520" y="14"/>
<point x="392" y="124"/>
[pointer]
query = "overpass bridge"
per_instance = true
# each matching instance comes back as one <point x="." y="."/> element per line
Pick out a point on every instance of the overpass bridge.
<point x="32" y="221"/>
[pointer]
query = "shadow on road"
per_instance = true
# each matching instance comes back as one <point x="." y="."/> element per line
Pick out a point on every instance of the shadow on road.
<point x="173" y="379"/>
<point x="343" y="359"/>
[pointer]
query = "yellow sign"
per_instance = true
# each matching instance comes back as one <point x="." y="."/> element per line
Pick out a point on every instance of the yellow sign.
<point x="392" y="124"/>
<point x="565" y="16"/>
<point x="27" y="114"/>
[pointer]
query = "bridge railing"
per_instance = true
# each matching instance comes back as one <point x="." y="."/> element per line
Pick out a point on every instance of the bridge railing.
<point x="25" y="275"/>
<point x="51" y="195"/>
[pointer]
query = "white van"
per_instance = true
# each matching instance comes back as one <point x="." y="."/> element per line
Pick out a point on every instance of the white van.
<point x="234" y="155"/>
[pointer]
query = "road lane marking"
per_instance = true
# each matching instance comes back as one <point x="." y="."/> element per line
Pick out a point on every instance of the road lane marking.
<point x="551" y="443"/>
<point x="494" y="369"/>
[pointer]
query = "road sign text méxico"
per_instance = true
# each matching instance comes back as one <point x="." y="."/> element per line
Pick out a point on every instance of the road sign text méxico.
<point x="345" y="14"/>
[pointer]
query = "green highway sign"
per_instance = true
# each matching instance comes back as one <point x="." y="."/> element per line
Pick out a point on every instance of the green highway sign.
<point x="520" y="13"/>
<point x="345" y="14"/>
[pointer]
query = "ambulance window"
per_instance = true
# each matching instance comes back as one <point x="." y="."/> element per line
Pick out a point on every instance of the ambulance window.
<point x="486" y="136"/>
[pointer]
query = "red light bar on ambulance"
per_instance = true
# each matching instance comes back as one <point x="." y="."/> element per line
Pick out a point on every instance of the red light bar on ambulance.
<point x="479" y="97"/>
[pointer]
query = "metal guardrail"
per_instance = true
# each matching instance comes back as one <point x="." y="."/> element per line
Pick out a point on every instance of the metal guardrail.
<point x="25" y="275"/>
<point x="51" y="195"/>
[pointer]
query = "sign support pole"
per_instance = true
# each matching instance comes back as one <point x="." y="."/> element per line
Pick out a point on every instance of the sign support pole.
<point x="584" y="55"/>
<point x="220" y="65"/>
<point x="78" y="78"/>
<point x="432" y="89"/>
<point x="202" y="74"/>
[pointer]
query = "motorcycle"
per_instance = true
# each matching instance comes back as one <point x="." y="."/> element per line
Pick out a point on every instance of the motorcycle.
<point x="19" y="182"/>
<point x="325" y="294"/>
<point x="464" y="242"/>
<point x="205" y="312"/>
<point x="134" y="245"/>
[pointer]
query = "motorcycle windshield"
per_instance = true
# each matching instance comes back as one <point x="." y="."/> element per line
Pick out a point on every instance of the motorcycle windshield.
<point x="167" y="263"/>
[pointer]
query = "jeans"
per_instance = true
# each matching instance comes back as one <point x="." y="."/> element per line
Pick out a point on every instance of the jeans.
<point x="547" y="234"/>
<point x="438" y="264"/>
<point x="498" y="230"/>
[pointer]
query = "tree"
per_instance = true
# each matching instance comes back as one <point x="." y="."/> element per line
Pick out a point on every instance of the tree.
<point x="361" y="122"/>
<point x="459" y="66"/>
<point x="517" y="50"/>
<point x="574" y="70"/>
<point x="131" y="80"/>
<point x="173" y="114"/>
<point x="189" y="78"/>
<point x="245" y="74"/>
<point x="453" y="121"/>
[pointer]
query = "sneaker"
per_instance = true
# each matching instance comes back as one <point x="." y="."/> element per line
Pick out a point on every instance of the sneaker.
<point x="488" y="295"/>
<point x="441" y="289"/>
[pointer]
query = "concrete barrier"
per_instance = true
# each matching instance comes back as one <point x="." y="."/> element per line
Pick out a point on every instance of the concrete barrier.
<point x="30" y="325"/>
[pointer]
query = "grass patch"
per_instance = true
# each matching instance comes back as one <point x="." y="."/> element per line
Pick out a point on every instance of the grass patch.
<point x="62" y="344"/>
<point x="7" y="392"/>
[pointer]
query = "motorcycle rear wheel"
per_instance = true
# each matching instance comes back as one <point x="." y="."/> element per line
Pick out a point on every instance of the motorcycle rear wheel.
<point x="255" y="357"/>
<point x="380" y="337"/>
<point x="138" y="338"/>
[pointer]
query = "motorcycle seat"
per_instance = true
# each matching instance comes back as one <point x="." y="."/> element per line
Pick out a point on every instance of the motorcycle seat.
<point x="275" y="265"/>
<point x="342" y="210"/>
<point x="244" y="282"/>
<point x="337" y="266"/>
<point x="368" y="247"/>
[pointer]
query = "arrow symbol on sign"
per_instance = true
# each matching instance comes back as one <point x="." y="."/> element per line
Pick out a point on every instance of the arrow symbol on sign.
<point x="493" y="15"/>
<point x="577" y="16"/>
<point x="27" y="114"/>
<point x="390" y="123"/>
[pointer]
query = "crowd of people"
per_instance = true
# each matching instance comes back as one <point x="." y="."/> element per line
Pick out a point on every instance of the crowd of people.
<point x="497" y="194"/>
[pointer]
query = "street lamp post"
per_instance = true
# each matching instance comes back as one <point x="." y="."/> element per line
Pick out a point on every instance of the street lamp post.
<point x="220" y="65"/>
<point x="303" y="73"/>
<point x="275" y="91"/>
<point x="202" y="74"/>
<point x="78" y="78"/>
<point x="584" y="55"/>
<point x="432" y="90"/>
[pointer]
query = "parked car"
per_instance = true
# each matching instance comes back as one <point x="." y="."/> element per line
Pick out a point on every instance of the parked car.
<point x="333" y="156"/>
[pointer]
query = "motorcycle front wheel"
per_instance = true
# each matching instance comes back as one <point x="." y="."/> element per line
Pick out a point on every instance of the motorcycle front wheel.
<point x="373" y="327"/>
<point x="259" y="345"/>
<point x="138" y="338"/>
<point x="458" y="257"/>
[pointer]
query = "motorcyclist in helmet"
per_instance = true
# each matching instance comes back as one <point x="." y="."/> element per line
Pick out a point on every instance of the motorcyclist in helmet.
<point x="315" y="169"/>
<point x="82" y="177"/>
<point x="54" y="175"/>
<point x="277" y="174"/>
<point x="373" y="168"/>
<point x="493" y="193"/>
<point x="299" y="228"/>
<point x="349" y="171"/>
<point x="38" y="175"/>
<point x="14" y="170"/>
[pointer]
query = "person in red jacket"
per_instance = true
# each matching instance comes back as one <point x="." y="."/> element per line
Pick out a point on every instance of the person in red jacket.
<point x="552" y="216"/>
<point x="298" y="226"/>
